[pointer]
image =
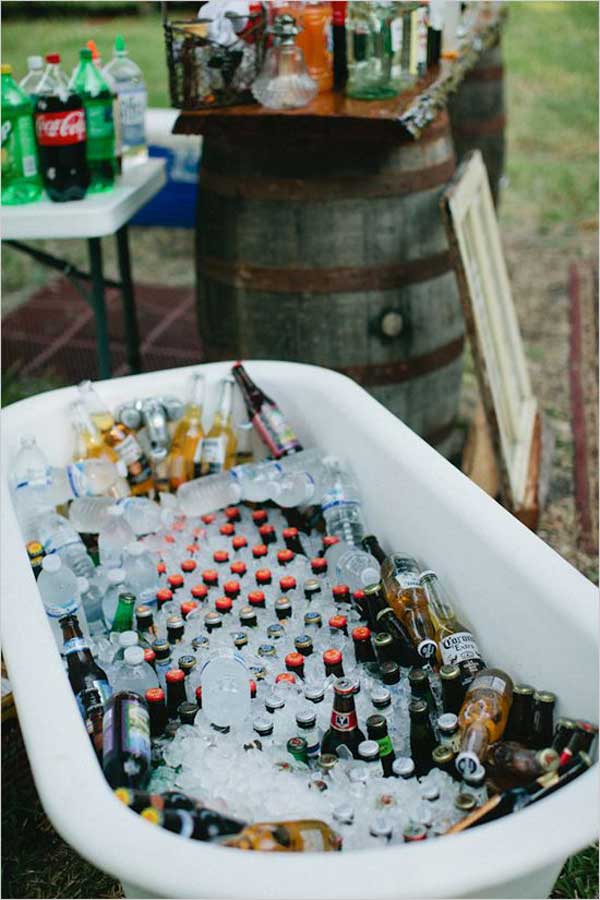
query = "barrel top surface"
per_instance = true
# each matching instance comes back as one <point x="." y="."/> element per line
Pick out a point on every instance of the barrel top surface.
<point x="403" y="117"/>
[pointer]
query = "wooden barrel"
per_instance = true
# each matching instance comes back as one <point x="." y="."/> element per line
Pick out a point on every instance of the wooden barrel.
<point x="333" y="253"/>
<point x="477" y="115"/>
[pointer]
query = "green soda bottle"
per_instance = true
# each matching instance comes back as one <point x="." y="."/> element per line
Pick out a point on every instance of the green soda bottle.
<point x="21" y="182"/>
<point x="98" y="104"/>
<point x="123" y="620"/>
<point x="370" y="50"/>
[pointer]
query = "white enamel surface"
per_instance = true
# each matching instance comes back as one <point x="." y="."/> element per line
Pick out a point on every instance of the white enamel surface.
<point x="533" y="614"/>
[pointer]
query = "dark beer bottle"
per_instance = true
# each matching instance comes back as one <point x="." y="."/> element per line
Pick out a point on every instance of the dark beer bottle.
<point x="377" y="731"/>
<point x="509" y="764"/>
<point x="542" y="722"/>
<point x="126" y="741"/>
<point x="199" y="825"/>
<point x="94" y="714"/>
<point x="83" y="671"/>
<point x="422" y="738"/>
<point x="266" y="417"/>
<point x="520" y="717"/>
<point x="344" y="724"/>
<point x="453" y="692"/>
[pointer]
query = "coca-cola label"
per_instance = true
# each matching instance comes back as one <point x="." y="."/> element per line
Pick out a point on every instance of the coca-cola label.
<point x="344" y="721"/>
<point x="57" y="129"/>
<point x="459" y="647"/>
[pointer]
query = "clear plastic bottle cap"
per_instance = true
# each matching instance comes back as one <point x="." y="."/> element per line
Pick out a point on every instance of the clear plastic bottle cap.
<point x="344" y="814"/>
<point x="51" y="563"/>
<point x="428" y="573"/>
<point x="369" y="576"/>
<point x="135" y="548"/>
<point x="128" y="639"/>
<point x="83" y="585"/>
<point x="381" y="826"/>
<point x="35" y="62"/>
<point x="368" y="750"/>
<point x="403" y="766"/>
<point x="115" y="576"/>
<point x="134" y="656"/>
<point x="448" y="722"/>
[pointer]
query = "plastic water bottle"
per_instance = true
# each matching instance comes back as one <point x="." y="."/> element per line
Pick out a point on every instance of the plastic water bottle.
<point x="30" y="479"/>
<point x="126" y="80"/>
<point x="29" y="84"/>
<point x="356" y="568"/>
<point x="134" y="673"/>
<point x="125" y="639"/>
<point x="91" y="598"/>
<point x="341" y="505"/>
<point x="114" y="537"/>
<point x="142" y="514"/>
<point x="116" y="586"/>
<point x="89" y="514"/>
<point x="225" y="689"/>
<point x="141" y="574"/>
<point x="203" y="495"/>
<point x="57" y="535"/>
<point x="87" y="478"/>
<point x="59" y="590"/>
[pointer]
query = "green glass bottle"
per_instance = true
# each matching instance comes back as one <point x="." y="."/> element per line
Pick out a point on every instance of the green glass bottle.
<point x="98" y="104"/>
<point x="21" y="182"/>
<point x="123" y="620"/>
<point x="370" y="51"/>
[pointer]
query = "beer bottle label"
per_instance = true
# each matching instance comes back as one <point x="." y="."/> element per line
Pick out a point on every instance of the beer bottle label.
<point x="385" y="745"/>
<point x="100" y="685"/>
<point x="407" y="580"/>
<point x="312" y="839"/>
<point x="275" y="432"/>
<point x="458" y="647"/>
<point x="135" y="729"/>
<point x="344" y="721"/>
<point x="74" y="645"/>
<point x="130" y="452"/>
<point x="108" y="732"/>
<point x="213" y="455"/>
<point x="492" y="682"/>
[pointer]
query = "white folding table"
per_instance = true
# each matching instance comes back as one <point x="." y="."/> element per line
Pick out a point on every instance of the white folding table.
<point x="92" y="218"/>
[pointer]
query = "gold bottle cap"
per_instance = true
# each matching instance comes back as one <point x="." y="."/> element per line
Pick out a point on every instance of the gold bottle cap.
<point x="525" y="689"/>
<point x="465" y="802"/>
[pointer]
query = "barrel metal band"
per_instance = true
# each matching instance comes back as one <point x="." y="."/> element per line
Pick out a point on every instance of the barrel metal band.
<point x="405" y="369"/>
<point x="324" y="281"/>
<point x="480" y="128"/>
<point x="326" y="189"/>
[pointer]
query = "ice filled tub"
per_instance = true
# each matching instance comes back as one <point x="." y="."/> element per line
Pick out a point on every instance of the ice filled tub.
<point x="533" y="614"/>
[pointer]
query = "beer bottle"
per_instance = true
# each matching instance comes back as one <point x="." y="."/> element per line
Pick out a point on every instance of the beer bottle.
<point x="144" y="623"/>
<point x="218" y="447"/>
<point x="344" y="724"/>
<point x="581" y="740"/>
<point x="298" y="748"/>
<point x="175" y="680"/>
<point x="157" y="710"/>
<point x="453" y="692"/>
<point x="187" y="712"/>
<point x="406" y="653"/>
<point x="447" y="725"/>
<point x="303" y="835"/>
<point x="199" y="825"/>
<point x="291" y="536"/>
<point x="542" y="729"/>
<point x="266" y="417"/>
<point x="442" y="758"/>
<point x="520" y="718"/>
<point x="456" y="644"/>
<point x="483" y="715"/>
<point x="83" y="671"/>
<point x="186" y="445"/>
<point x="88" y="443"/>
<point x="363" y="649"/>
<point x="127" y="448"/>
<point x="509" y="764"/>
<point x="126" y="741"/>
<point x="562" y="733"/>
<point x="400" y="579"/>
<point x="123" y="620"/>
<point x="377" y="731"/>
<point x="334" y="663"/>
<point x="422" y="738"/>
<point x="91" y="700"/>
<point x="306" y="722"/>
<point x="421" y="689"/>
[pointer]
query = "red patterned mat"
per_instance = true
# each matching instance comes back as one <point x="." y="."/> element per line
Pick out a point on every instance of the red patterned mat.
<point x="53" y="332"/>
<point x="583" y="294"/>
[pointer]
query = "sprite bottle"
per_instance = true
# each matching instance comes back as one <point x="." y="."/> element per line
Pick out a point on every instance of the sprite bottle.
<point x="98" y="105"/>
<point x="21" y="182"/>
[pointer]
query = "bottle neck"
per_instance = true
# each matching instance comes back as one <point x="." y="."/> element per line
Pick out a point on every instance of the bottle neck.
<point x="253" y="396"/>
<point x="438" y="602"/>
<point x="372" y="546"/>
<point x="225" y="406"/>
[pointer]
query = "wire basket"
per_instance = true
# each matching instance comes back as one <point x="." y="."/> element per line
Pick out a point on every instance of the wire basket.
<point x="204" y="74"/>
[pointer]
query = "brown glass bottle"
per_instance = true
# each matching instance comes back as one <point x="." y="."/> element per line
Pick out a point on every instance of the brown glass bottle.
<point x="83" y="671"/>
<point x="344" y="724"/>
<point x="509" y="764"/>
<point x="292" y="837"/>
<point x="266" y="417"/>
<point x="483" y="715"/>
<point x="422" y="738"/>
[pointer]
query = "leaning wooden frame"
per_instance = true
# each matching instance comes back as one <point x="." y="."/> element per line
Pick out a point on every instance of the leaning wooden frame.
<point x="510" y="407"/>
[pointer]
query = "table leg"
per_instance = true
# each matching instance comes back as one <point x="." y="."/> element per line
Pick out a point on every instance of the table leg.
<point x="99" y="307"/>
<point x="129" y="313"/>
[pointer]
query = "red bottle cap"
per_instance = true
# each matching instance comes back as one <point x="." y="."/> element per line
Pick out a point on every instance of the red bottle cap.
<point x="231" y="588"/>
<point x="155" y="695"/>
<point x="164" y="595"/>
<point x="252" y="688"/>
<point x="221" y="556"/>
<point x="318" y="564"/>
<point x="232" y="512"/>
<point x="53" y="58"/>
<point x="287" y="583"/>
<point x="266" y="531"/>
<point x="256" y="598"/>
<point x="179" y="525"/>
<point x="228" y="529"/>
<point x="198" y="694"/>
<point x="294" y="661"/>
<point x="263" y="576"/>
<point x="174" y="675"/>
<point x="285" y="556"/>
<point x="332" y="657"/>
<point x="197" y="531"/>
<point x="338" y="622"/>
<point x="289" y="534"/>
<point x="238" y="567"/>
<point x="362" y="633"/>
<point x="149" y="657"/>
<point x="259" y="550"/>
<point x="188" y="607"/>
<point x="161" y="568"/>
<point x="338" y="12"/>
<point x="199" y="592"/>
<point x="188" y="565"/>
<point x="169" y="539"/>
<point x="209" y="518"/>
<point x="175" y="581"/>
<point x="285" y="676"/>
<point x="340" y="590"/>
<point x="223" y="604"/>
<point x="192" y="548"/>
<point x="358" y="595"/>
<point x="210" y="576"/>
<point x="239" y="541"/>
<point x="259" y="516"/>
<point x="329" y="540"/>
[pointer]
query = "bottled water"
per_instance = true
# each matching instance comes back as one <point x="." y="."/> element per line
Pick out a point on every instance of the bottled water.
<point x="116" y="586"/>
<point x="89" y="514"/>
<point x="30" y="478"/>
<point x="341" y="505"/>
<point x="141" y="575"/>
<point x="59" y="590"/>
<point x="57" y="535"/>
<point x="225" y="689"/>
<point x="88" y="478"/>
<point x="91" y="593"/>
<point x="114" y="537"/>
<point x="142" y="514"/>
<point x="29" y="84"/>
<point x="203" y="495"/>
<point x="126" y="80"/>
<point x="356" y="568"/>
<point x="134" y="673"/>
<point x="125" y="639"/>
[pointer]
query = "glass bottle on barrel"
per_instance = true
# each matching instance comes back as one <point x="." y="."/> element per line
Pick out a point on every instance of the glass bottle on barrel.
<point x="343" y="729"/>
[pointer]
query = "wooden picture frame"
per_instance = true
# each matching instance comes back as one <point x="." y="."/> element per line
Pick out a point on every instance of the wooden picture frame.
<point x="508" y="401"/>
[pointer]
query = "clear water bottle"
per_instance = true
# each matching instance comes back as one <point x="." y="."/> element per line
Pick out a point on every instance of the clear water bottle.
<point x="126" y="80"/>
<point x="91" y="593"/>
<point x="225" y="689"/>
<point x="124" y="640"/>
<point x="29" y="84"/>
<point x="57" y="535"/>
<point x="134" y="673"/>
<point x="141" y="574"/>
<point x="59" y="590"/>
<point x="142" y="514"/>
<point x="31" y="477"/>
<point x="89" y="514"/>
<point x="356" y="568"/>
<point x="204" y="495"/>
<point x="88" y="478"/>
<point x="114" y="536"/>
<point x="341" y="505"/>
<point x="116" y="586"/>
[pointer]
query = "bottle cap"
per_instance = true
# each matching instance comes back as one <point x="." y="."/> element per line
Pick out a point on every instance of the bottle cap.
<point x="465" y="802"/>
<point x="186" y="662"/>
<point x="232" y="588"/>
<point x="282" y="603"/>
<point x="162" y="649"/>
<point x="311" y="586"/>
<point x="275" y="631"/>
<point x="417" y="678"/>
<point x="192" y="548"/>
<point x="6" y="69"/>
<point x="380" y="697"/>
<point x="294" y="660"/>
<point x="134" y="656"/>
<point x="339" y="591"/>
<point x="338" y="622"/>
<point x="174" y="676"/>
<point x="259" y="516"/>
<point x="547" y="759"/>
<point x="403" y="767"/>
<point x="287" y="583"/>
<point x="332" y="657"/>
<point x="442" y="755"/>
<point x="259" y="550"/>
<point x="239" y="541"/>
<point x="329" y="540"/>
<point x="414" y="832"/>
<point x="447" y="723"/>
<point x="544" y="697"/>
<point x="319" y="564"/>
<point x="161" y="568"/>
<point x="53" y="563"/>
<point x="467" y="762"/>
<point x="238" y="568"/>
<point x="475" y="778"/>
<point x="210" y="576"/>
<point x="120" y="43"/>
<point x="221" y="556"/>
<point x="128" y="639"/>
<point x="233" y="513"/>
<point x="375" y="722"/>
<point x="368" y="750"/>
<point x="449" y="673"/>
<point x="428" y="573"/>
<point x="263" y="576"/>
<point x="223" y="604"/>
<point x="199" y="592"/>
<point x="256" y="598"/>
<point x="164" y="595"/>
<point x="175" y="581"/>
<point x="288" y="677"/>
<point x="285" y="556"/>
<point x="344" y="686"/>
<point x="266" y="531"/>
<point x="306" y="718"/>
<point x="227" y="530"/>
<point x="314" y="693"/>
<point x="187" y="607"/>
<point x="289" y="534"/>
<point x="187" y="712"/>
<point x="361" y="633"/>
<point x="149" y="656"/>
<point x="263" y="725"/>
<point x="382" y="639"/>
<point x="417" y="708"/>
<point x="53" y="58"/>
<point x="174" y="622"/>
<point x="188" y="565"/>
<point x="213" y="619"/>
<point x="427" y="648"/>
<point x="524" y="689"/>
<point x="208" y="518"/>
<point x="252" y="688"/>
<point x="155" y="695"/>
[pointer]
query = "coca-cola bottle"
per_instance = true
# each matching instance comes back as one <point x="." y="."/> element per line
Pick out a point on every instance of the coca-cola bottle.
<point x="61" y="135"/>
